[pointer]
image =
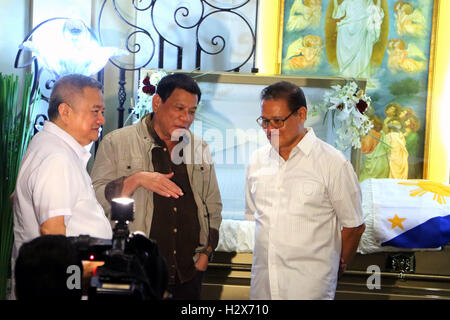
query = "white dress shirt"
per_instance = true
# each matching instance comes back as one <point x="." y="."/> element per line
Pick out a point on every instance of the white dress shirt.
<point x="299" y="207"/>
<point x="52" y="182"/>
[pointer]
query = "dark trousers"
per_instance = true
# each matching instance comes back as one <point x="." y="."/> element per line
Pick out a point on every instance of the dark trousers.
<point x="190" y="290"/>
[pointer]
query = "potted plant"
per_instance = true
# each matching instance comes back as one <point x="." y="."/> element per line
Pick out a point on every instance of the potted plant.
<point x="16" y="127"/>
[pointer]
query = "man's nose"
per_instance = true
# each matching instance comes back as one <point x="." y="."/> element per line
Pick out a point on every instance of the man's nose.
<point x="270" y="127"/>
<point x="185" y="116"/>
<point x="101" y="119"/>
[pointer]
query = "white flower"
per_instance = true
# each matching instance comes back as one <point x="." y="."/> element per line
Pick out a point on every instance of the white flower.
<point x="354" y="124"/>
<point x="155" y="77"/>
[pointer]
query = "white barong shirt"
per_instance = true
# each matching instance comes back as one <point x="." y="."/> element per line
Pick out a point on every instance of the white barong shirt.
<point x="299" y="207"/>
<point x="52" y="182"/>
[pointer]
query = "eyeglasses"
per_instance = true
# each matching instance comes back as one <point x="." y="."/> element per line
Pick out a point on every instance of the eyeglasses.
<point x="275" y="122"/>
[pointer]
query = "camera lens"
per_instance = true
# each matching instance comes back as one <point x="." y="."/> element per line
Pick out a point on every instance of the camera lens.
<point x="122" y="209"/>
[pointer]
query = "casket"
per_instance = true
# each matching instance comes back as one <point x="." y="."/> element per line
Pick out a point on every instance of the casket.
<point x="405" y="247"/>
<point x="403" y="275"/>
<point x="410" y="213"/>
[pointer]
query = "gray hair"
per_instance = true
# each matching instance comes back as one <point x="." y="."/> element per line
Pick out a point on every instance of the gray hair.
<point x="65" y="88"/>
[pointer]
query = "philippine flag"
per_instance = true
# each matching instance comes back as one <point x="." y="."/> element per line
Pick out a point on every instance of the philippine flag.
<point x="410" y="213"/>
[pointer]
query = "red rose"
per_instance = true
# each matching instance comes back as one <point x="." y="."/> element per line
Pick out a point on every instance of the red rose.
<point x="149" y="89"/>
<point x="361" y="106"/>
<point x="146" y="81"/>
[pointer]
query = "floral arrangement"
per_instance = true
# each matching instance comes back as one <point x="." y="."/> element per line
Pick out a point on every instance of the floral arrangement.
<point x="146" y="91"/>
<point x="348" y="104"/>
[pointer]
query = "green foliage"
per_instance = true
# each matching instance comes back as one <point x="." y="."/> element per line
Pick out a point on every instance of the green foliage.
<point x="15" y="133"/>
<point x="406" y="87"/>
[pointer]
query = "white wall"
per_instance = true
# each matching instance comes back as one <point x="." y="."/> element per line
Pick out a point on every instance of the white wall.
<point x="88" y="11"/>
<point x="114" y="32"/>
<point x="14" y="23"/>
<point x="22" y="16"/>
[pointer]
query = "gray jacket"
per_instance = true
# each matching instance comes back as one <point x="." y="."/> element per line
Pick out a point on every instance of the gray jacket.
<point x="126" y="151"/>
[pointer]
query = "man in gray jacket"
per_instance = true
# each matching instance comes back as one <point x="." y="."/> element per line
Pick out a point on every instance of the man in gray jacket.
<point x="169" y="173"/>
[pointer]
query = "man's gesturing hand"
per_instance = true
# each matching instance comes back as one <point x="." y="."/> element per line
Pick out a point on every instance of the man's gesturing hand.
<point x="152" y="181"/>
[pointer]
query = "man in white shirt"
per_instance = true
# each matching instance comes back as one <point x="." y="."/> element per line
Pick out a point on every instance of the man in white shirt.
<point x="306" y="202"/>
<point x="54" y="193"/>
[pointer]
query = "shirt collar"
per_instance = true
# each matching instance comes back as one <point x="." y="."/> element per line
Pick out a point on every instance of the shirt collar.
<point x="82" y="152"/>
<point x="306" y="144"/>
<point x="151" y="130"/>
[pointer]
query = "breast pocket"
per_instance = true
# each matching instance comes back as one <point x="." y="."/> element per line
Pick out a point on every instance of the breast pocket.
<point x="201" y="177"/>
<point x="302" y="214"/>
<point x="128" y="167"/>
<point x="306" y="197"/>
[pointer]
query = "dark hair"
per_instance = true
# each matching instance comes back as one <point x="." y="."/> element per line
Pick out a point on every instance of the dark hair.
<point x="174" y="81"/>
<point x="65" y="88"/>
<point x="41" y="269"/>
<point x="287" y="91"/>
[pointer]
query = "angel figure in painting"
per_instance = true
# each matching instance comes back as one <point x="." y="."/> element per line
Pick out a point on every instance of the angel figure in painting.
<point x="304" y="53"/>
<point x="304" y="14"/>
<point x="411" y="126"/>
<point x="398" y="154"/>
<point x="358" y="29"/>
<point x="401" y="57"/>
<point x="405" y="113"/>
<point x="375" y="152"/>
<point x="409" y="21"/>
<point x="392" y="110"/>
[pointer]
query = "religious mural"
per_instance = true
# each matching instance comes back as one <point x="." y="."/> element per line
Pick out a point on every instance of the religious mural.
<point x="388" y="43"/>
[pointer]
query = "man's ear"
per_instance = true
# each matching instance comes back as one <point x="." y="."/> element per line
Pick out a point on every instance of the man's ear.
<point x="64" y="111"/>
<point x="302" y="112"/>
<point x="156" y="102"/>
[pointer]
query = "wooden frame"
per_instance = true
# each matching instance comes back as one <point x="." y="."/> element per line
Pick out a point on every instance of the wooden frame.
<point x="390" y="80"/>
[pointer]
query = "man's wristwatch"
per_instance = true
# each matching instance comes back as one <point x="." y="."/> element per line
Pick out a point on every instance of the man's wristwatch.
<point x="207" y="252"/>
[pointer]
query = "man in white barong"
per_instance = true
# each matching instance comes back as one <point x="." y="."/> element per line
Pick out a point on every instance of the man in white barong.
<point x="306" y="202"/>
<point x="54" y="193"/>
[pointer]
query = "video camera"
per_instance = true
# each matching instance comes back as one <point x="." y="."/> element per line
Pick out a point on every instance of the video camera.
<point x="133" y="267"/>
